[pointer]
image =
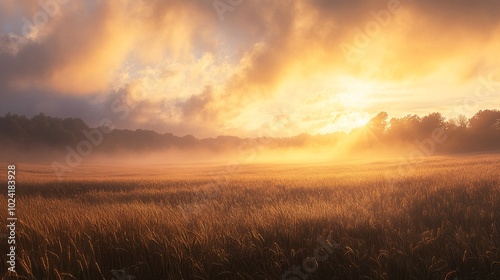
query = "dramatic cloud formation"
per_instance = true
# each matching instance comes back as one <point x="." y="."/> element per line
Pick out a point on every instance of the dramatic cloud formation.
<point x="232" y="67"/>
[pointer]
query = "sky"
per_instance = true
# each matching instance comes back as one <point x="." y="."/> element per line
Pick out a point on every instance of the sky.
<point x="248" y="67"/>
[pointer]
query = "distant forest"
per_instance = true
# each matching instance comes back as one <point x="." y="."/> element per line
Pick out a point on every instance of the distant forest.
<point x="461" y="134"/>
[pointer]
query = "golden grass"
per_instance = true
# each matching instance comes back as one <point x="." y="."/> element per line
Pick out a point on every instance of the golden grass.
<point x="440" y="220"/>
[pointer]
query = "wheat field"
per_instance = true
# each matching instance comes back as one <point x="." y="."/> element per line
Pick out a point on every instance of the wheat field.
<point x="353" y="220"/>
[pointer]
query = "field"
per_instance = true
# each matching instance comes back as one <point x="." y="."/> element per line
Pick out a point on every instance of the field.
<point x="355" y="220"/>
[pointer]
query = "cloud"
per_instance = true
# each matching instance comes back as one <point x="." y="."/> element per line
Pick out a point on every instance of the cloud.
<point x="209" y="74"/>
<point x="78" y="49"/>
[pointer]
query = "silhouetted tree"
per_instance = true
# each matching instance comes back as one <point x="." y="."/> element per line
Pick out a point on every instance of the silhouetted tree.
<point x="404" y="128"/>
<point x="484" y="120"/>
<point x="462" y="121"/>
<point x="483" y="132"/>
<point x="378" y="124"/>
<point x="431" y="122"/>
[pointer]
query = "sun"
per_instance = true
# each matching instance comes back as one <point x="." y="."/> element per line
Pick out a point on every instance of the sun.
<point x="352" y="100"/>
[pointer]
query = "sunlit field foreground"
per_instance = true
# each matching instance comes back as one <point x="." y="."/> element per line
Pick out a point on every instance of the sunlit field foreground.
<point x="437" y="220"/>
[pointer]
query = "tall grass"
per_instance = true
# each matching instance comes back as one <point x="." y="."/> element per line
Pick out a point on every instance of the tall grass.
<point x="438" y="221"/>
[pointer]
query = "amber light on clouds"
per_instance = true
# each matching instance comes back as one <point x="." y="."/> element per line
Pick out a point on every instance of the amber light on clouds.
<point x="229" y="67"/>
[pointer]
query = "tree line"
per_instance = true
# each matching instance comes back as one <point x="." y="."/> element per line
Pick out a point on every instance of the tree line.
<point x="481" y="132"/>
